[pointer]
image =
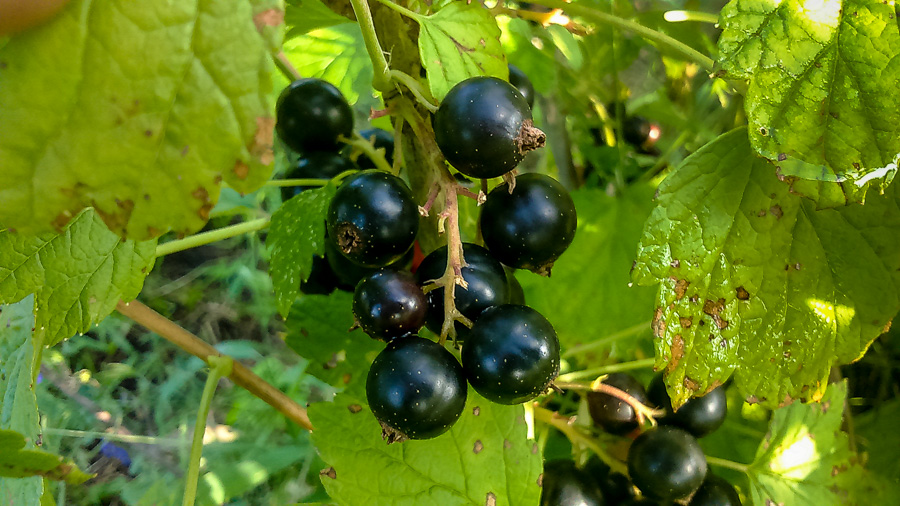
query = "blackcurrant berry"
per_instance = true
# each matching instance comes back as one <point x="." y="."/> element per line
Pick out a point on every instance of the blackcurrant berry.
<point x="518" y="79"/>
<point x="638" y="501"/>
<point x="530" y="227"/>
<point x="511" y="354"/>
<point x="563" y="484"/>
<point x="616" y="487"/>
<point x="321" y="281"/>
<point x="382" y="140"/>
<point x="311" y="114"/>
<point x="389" y="304"/>
<point x="699" y="416"/>
<point x="715" y="491"/>
<point x="316" y="165"/>
<point x="666" y="463"/>
<point x="614" y="415"/>
<point x="484" y="128"/>
<point x="373" y="218"/>
<point x="349" y="273"/>
<point x="486" y="279"/>
<point x="416" y="389"/>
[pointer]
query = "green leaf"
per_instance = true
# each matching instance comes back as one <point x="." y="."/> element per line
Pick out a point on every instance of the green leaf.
<point x="460" y="41"/>
<point x="485" y="458"/>
<point x="18" y="404"/>
<point x="594" y="271"/>
<point x="876" y="430"/>
<point x="817" y="100"/>
<point x="317" y="329"/>
<point x="516" y="39"/>
<point x="17" y="462"/>
<point x="297" y="233"/>
<point x="304" y="16"/>
<point x="78" y="276"/>
<point x="806" y="459"/>
<point x="754" y="276"/>
<point x="140" y="109"/>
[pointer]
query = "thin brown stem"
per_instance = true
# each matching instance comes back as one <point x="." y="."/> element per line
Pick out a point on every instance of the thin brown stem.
<point x="640" y="410"/>
<point x="192" y="344"/>
<point x="286" y="67"/>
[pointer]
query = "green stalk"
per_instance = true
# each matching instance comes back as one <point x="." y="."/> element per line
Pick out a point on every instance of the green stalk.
<point x="286" y="67"/>
<point x="402" y="10"/>
<point x="210" y="237"/>
<point x="700" y="17"/>
<point x="381" y="79"/>
<point x="124" y="438"/>
<point x="221" y="366"/>
<point x="652" y="35"/>
<point x="423" y="96"/>
<point x="607" y="369"/>
<point x="716" y="461"/>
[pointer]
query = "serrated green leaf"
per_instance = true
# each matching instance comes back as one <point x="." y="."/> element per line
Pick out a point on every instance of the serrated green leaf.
<point x="460" y="41"/>
<point x="18" y="462"/>
<point x="595" y="271"/>
<point x="18" y="404"/>
<point x="755" y="280"/>
<point x="485" y="458"/>
<point x="818" y="99"/>
<point x="338" y="55"/>
<point x="304" y="16"/>
<point x="78" y="276"/>
<point x="140" y="109"/>
<point x="806" y="459"/>
<point x="297" y="233"/>
<point x="516" y="39"/>
<point x="317" y="329"/>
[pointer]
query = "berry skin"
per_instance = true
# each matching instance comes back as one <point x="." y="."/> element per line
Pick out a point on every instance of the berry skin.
<point x="311" y="114"/>
<point x="518" y="79"/>
<point x="666" y="463"/>
<point x="349" y="273"/>
<point x="321" y="281"/>
<point x="383" y="139"/>
<point x="613" y="414"/>
<point x="483" y="126"/>
<point x="487" y="281"/>
<point x="389" y="304"/>
<point x="373" y="218"/>
<point x="699" y="416"/>
<point x="511" y="354"/>
<point x="616" y="487"/>
<point x="316" y="165"/>
<point x="416" y="389"/>
<point x="715" y="491"/>
<point x="563" y="484"/>
<point x="530" y="227"/>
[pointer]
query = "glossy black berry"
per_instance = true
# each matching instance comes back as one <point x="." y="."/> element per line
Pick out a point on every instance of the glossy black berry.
<point x="530" y="227"/>
<point x="511" y="354"/>
<point x="483" y="126"/>
<point x="666" y="463"/>
<point x="350" y="273"/>
<point x="614" y="415"/>
<point x="563" y="484"/>
<point x="485" y="276"/>
<point x="699" y="416"/>
<point x="311" y="114"/>
<point x="518" y="79"/>
<point x="321" y="280"/>
<point x="382" y="140"/>
<point x="715" y="491"/>
<point x="616" y="487"/>
<point x="389" y="304"/>
<point x="316" y="165"/>
<point x="373" y="218"/>
<point x="416" y="389"/>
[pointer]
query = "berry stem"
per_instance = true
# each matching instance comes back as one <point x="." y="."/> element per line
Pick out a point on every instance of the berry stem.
<point x="381" y="79"/>
<point x="432" y="195"/>
<point x="660" y="38"/>
<point x="368" y="148"/>
<point x="422" y="95"/>
<point x="681" y="16"/>
<point x="576" y="436"/>
<point x="603" y="341"/>
<point x="607" y="369"/>
<point x="640" y="410"/>
<point x="243" y="377"/>
<point x="402" y="10"/>
<point x="211" y="236"/>
<point x="286" y="67"/>
<point x="219" y="367"/>
<point x="455" y="262"/>
<point x="728" y="464"/>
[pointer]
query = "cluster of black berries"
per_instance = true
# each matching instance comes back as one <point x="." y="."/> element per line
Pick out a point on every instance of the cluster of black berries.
<point x="416" y="387"/>
<point x="665" y="463"/>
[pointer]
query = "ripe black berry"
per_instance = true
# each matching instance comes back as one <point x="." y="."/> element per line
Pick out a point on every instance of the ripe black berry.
<point x="613" y="414"/>
<point x="389" y="304"/>
<point x="416" y="389"/>
<point x="311" y="114"/>
<point x="487" y="285"/>
<point x="316" y="165"/>
<point x="616" y="487"/>
<point x="350" y="273"/>
<point x="563" y="484"/>
<point x="484" y="127"/>
<point x="382" y="139"/>
<point x="530" y="227"/>
<point x="518" y="79"/>
<point x="511" y="354"/>
<point x="666" y="463"/>
<point x="699" y="416"/>
<point x="715" y="491"/>
<point x="321" y="281"/>
<point x="373" y="218"/>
